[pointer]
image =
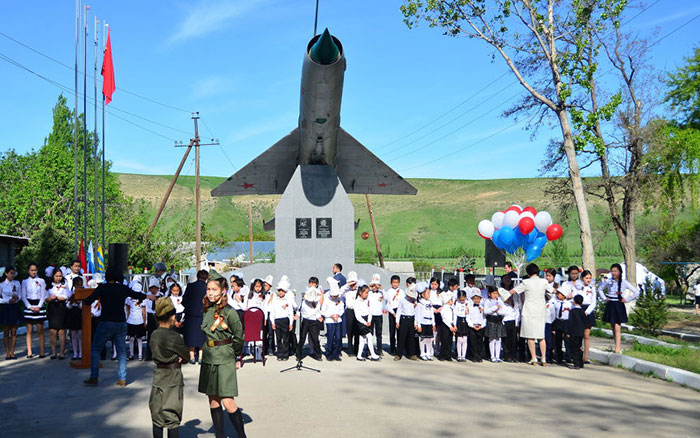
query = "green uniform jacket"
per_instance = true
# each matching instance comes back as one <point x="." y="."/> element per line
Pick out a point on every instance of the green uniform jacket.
<point x="166" y="399"/>
<point x="218" y="370"/>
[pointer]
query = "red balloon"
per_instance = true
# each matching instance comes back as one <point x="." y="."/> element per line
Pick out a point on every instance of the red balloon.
<point x="481" y="235"/>
<point x="526" y="225"/>
<point x="531" y="210"/>
<point x="554" y="232"/>
<point x="514" y="208"/>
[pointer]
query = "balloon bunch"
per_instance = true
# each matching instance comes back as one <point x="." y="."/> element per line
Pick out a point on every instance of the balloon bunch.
<point x="523" y="228"/>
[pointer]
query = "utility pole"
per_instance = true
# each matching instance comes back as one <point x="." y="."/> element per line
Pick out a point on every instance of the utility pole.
<point x="374" y="231"/>
<point x="250" y="229"/>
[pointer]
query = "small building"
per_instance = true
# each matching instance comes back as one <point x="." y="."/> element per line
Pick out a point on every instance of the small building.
<point x="10" y="246"/>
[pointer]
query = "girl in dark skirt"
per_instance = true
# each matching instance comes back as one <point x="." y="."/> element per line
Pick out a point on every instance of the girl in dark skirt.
<point x="460" y="312"/>
<point x="10" y="291"/>
<point x="33" y="296"/>
<point x="175" y="295"/>
<point x="425" y="323"/>
<point x="363" y="324"/>
<point x="74" y="320"/>
<point x="616" y="292"/>
<point x="495" y="330"/>
<point x="588" y="306"/>
<point x="58" y="296"/>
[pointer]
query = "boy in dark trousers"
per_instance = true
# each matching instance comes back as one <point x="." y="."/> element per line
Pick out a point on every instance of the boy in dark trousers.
<point x="577" y="325"/>
<point x="169" y="352"/>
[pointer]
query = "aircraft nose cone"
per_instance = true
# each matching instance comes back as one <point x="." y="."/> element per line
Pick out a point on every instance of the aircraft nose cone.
<point x="325" y="51"/>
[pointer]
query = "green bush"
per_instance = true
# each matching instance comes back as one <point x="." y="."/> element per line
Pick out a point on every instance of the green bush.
<point x="651" y="312"/>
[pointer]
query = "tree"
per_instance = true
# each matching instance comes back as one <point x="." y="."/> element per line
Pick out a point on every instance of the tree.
<point x="529" y="36"/>
<point x="48" y="246"/>
<point x="650" y="312"/>
<point x="673" y="241"/>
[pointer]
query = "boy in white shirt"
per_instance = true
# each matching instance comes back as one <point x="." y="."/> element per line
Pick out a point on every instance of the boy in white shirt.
<point x="311" y="320"/>
<point x="476" y="322"/>
<point x="282" y="317"/>
<point x="332" y="311"/>
<point x="391" y="304"/>
<point x="376" y="307"/>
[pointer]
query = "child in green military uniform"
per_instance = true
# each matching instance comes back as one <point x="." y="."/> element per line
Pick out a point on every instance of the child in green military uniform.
<point x="168" y="351"/>
<point x="217" y="378"/>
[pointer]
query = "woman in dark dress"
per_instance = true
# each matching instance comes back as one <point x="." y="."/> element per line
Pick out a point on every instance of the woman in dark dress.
<point x="192" y="301"/>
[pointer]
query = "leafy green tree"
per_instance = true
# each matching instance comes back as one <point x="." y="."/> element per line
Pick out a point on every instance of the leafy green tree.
<point x="48" y="246"/>
<point x="650" y="312"/>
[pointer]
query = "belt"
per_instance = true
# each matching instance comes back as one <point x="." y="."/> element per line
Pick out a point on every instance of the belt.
<point x="218" y="343"/>
<point x="171" y="365"/>
<point x="407" y="316"/>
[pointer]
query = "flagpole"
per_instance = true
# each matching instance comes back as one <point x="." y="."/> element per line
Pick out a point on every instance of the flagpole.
<point x="85" y="155"/>
<point x="76" y="216"/>
<point x="104" y="42"/>
<point x="94" y="76"/>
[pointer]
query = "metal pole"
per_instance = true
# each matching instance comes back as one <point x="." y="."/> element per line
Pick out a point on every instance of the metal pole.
<point x="85" y="155"/>
<point x="198" y="215"/>
<point x="103" y="153"/>
<point x="316" y="19"/>
<point x="374" y="231"/>
<point x="250" y="229"/>
<point x="76" y="216"/>
<point x="170" y="187"/>
<point x="94" y="159"/>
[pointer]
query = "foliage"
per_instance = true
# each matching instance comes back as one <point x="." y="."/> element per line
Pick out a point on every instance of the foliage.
<point x="650" y="312"/>
<point x="47" y="246"/>
<point x="466" y="262"/>
<point x="685" y="358"/>
<point x="684" y="93"/>
<point x="557" y="254"/>
<point x="672" y="240"/>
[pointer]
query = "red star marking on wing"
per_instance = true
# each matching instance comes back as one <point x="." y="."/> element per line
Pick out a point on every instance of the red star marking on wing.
<point x="247" y="185"/>
<point x="382" y="184"/>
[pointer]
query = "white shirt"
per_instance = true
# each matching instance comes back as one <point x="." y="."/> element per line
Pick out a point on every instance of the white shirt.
<point x="510" y="313"/>
<point x="589" y="298"/>
<point x="96" y="309"/>
<point x="447" y="314"/>
<point x="33" y="289"/>
<point x="349" y="296"/>
<point x="471" y="291"/>
<point x="460" y="309"/>
<point x="177" y="303"/>
<point x="362" y="311"/>
<point x="571" y="288"/>
<point x="231" y="297"/>
<point x="405" y="308"/>
<point x="609" y="288"/>
<point x="309" y="311"/>
<point x="258" y="301"/>
<point x="376" y="302"/>
<point x="69" y="279"/>
<point x="561" y="308"/>
<point x="435" y="299"/>
<point x="476" y="315"/>
<point x="280" y="308"/>
<point x="549" y="314"/>
<point x="697" y="290"/>
<point x="60" y="290"/>
<point x="135" y="313"/>
<point x="332" y="307"/>
<point x="424" y="313"/>
<point x="8" y="289"/>
<point x="391" y="298"/>
<point x="494" y="307"/>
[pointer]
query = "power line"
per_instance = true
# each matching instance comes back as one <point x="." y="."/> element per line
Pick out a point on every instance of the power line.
<point x="675" y="30"/>
<point x="223" y="151"/>
<point x="27" y="46"/>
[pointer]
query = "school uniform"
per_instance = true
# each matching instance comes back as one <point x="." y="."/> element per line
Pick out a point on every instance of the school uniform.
<point x="471" y="291"/>
<point x="510" y="344"/>
<point x="257" y="301"/>
<point x="57" y="310"/>
<point x="549" y="318"/>
<point x="571" y="288"/>
<point x="9" y="312"/>
<point x="151" y="321"/>
<point x="425" y="320"/>
<point x="179" y="310"/>
<point x="282" y="315"/>
<point x="391" y="304"/>
<point x="405" y="314"/>
<point x="168" y="351"/>
<point x="561" y="311"/>
<point x="134" y="322"/>
<point x="349" y="294"/>
<point x="436" y="303"/>
<point x="363" y="316"/>
<point x="334" y="336"/>
<point x="476" y="318"/>
<point x="376" y="308"/>
<point x="445" y="331"/>
<point x="493" y="309"/>
<point x="74" y="317"/>
<point x="577" y="326"/>
<point x="612" y="291"/>
<point x="34" y="295"/>
<point x="233" y="301"/>
<point x="590" y="302"/>
<point x="310" y="328"/>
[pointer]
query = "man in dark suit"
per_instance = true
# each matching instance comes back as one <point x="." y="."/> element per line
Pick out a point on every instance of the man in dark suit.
<point x="193" y="301"/>
<point x="338" y="274"/>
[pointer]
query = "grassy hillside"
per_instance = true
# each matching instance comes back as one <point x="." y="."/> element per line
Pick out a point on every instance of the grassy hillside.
<point x="437" y="224"/>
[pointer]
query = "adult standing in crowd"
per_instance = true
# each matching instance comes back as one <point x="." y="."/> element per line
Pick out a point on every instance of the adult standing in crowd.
<point x="533" y="289"/>
<point x="338" y="274"/>
<point x="508" y="267"/>
<point x="193" y="301"/>
<point x="112" y="323"/>
<point x="697" y="298"/>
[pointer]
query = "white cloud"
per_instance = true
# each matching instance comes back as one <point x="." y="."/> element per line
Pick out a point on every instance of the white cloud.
<point x="671" y="17"/>
<point x="211" y="86"/>
<point x="129" y="166"/>
<point x="206" y="16"/>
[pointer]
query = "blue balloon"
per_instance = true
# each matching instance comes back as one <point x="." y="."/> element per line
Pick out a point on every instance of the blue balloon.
<point x="532" y="236"/>
<point x="496" y="239"/>
<point x="520" y="238"/>
<point x="533" y="252"/>
<point x="507" y="236"/>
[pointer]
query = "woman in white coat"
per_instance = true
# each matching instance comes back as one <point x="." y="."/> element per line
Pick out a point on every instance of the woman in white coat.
<point x="533" y="290"/>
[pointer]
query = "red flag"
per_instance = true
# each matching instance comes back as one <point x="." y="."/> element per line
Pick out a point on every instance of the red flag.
<point x="108" y="86"/>
<point x="81" y="257"/>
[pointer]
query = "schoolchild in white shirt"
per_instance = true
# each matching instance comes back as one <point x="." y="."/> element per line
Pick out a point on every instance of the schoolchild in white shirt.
<point x="376" y="307"/>
<point x="33" y="297"/>
<point x="311" y="320"/>
<point x="269" y="295"/>
<point x="332" y="311"/>
<point x="573" y="285"/>
<point x="436" y="303"/>
<point x="175" y="295"/>
<point x="391" y="304"/>
<point x="460" y="310"/>
<point x="74" y="320"/>
<point x="154" y="292"/>
<point x="363" y="324"/>
<point x="349" y="292"/>
<point x="494" y="309"/>
<point x="282" y="317"/>
<point x="58" y="295"/>
<point x="447" y="328"/>
<point x="135" y="323"/>
<point x="405" y="323"/>
<point x="256" y="298"/>
<point x="10" y="292"/>
<point x="237" y="297"/>
<point x="425" y="322"/>
<point x="476" y="322"/>
<point x="588" y="305"/>
<point x="470" y="289"/>
<point x="561" y="306"/>
<point x="511" y="317"/>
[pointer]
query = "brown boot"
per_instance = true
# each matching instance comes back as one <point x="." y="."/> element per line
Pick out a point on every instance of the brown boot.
<point x="92" y="381"/>
<point x="121" y="382"/>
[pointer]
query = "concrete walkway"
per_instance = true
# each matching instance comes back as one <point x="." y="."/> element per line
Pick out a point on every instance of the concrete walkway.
<point x="358" y="399"/>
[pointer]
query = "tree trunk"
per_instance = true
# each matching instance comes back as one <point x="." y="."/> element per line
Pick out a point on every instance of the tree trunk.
<point x="587" y="254"/>
<point x="629" y="250"/>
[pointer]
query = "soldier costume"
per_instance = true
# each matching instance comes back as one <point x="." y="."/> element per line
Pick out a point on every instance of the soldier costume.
<point x="220" y="352"/>
<point x="168" y="351"/>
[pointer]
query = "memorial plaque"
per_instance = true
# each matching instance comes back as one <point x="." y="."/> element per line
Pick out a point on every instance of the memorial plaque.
<point x="304" y="228"/>
<point x="324" y="228"/>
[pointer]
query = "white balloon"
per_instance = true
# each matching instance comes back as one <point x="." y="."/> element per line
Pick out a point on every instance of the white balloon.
<point x="486" y="228"/>
<point x="518" y="205"/>
<point x="542" y="221"/>
<point x="497" y="219"/>
<point x="511" y="219"/>
<point x="527" y="214"/>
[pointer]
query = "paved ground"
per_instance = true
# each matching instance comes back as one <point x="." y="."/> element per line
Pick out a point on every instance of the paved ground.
<point x="353" y="399"/>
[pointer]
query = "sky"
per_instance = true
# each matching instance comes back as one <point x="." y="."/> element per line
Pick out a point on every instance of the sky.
<point x="429" y="105"/>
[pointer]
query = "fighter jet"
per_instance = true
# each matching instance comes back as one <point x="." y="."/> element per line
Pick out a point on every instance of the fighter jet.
<point x="319" y="139"/>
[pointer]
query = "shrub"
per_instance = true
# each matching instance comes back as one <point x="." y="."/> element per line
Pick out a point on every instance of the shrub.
<point x="651" y="312"/>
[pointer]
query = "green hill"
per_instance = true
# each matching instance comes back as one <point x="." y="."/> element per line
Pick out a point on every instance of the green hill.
<point x="435" y="226"/>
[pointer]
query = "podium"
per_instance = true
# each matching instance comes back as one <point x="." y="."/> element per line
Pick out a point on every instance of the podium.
<point x="80" y="295"/>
